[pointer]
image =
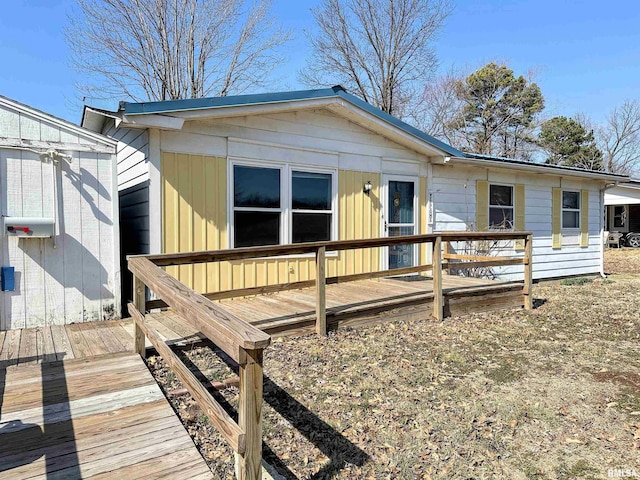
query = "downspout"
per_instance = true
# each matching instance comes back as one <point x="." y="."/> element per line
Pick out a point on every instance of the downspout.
<point x="602" y="225"/>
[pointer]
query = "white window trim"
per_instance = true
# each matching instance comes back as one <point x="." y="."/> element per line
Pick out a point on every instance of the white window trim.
<point x="571" y="230"/>
<point x="625" y="215"/>
<point x="286" y="210"/>
<point x="512" y="207"/>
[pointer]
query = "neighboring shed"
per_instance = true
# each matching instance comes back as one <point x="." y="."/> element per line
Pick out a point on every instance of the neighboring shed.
<point x="291" y="166"/>
<point x="59" y="239"/>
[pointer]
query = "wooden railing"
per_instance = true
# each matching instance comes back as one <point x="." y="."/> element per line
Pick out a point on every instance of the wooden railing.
<point x="244" y="343"/>
<point x="240" y="340"/>
<point x="319" y="249"/>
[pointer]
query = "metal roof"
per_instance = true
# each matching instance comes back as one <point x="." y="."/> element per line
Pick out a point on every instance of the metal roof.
<point x="545" y="166"/>
<point x="169" y="106"/>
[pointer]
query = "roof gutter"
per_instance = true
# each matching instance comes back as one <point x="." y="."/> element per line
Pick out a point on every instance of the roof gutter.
<point x="537" y="168"/>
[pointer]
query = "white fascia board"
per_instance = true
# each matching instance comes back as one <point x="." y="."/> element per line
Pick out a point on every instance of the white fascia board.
<point x="257" y="109"/>
<point x="539" y="169"/>
<point x="163" y="122"/>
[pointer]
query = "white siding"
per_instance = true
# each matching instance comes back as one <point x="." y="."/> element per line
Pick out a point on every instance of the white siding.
<point x="73" y="277"/>
<point x="307" y="137"/>
<point x="132" y="154"/>
<point x="454" y="204"/>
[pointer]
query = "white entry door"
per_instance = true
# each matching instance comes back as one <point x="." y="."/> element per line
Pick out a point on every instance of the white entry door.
<point x="399" y="217"/>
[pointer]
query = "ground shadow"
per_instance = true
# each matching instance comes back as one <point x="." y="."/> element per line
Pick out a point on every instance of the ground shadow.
<point x="24" y="443"/>
<point x="538" y="302"/>
<point x="323" y="436"/>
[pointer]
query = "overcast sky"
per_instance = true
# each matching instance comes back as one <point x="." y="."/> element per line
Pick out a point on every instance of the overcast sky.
<point x="585" y="54"/>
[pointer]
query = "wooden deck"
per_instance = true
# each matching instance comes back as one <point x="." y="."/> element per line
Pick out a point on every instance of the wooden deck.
<point x="286" y="313"/>
<point x="98" y="417"/>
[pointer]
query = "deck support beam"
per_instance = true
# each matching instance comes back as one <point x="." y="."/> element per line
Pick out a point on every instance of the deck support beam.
<point x="321" y="298"/>
<point x="249" y="464"/>
<point x="438" y="301"/>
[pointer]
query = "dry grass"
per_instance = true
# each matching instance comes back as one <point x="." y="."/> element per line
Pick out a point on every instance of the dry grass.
<point x="548" y="394"/>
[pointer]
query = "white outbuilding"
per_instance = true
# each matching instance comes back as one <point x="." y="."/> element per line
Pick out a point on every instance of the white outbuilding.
<point x="59" y="233"/>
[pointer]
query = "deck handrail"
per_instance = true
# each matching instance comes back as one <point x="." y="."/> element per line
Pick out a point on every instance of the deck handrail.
<point x="223" y="328"/>
<point x="243" y="342"/>
<point x="444" y="260"/>
<point x="243" y="253"/>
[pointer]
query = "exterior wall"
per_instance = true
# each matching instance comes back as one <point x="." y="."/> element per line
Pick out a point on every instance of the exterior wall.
<point x="194" y="189"/>
<point x="75" y="276"/>
<point x="132" y="154"/>
<point x="455" y="204"/>
<point x="134" y="232"/>
<point x="195" y="218"/>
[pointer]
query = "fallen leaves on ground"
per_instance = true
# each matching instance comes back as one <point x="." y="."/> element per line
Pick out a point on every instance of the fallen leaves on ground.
<point x="547" y="394"/>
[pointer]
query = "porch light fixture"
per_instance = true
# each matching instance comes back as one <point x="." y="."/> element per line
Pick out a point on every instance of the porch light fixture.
<point x="366" y="188"/>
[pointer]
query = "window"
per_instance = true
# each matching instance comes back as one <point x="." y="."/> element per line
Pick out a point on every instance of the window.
<point x="501" y="206"/>
<point x="619" y="216"/>
<point x="281" y="204"/>
<point x="257" y="207"/>
<point x="310" y="207"/>
<point x="570" y="209"/>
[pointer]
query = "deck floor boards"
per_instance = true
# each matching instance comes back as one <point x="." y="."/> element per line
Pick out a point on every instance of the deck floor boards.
<point x="102" y="417"/>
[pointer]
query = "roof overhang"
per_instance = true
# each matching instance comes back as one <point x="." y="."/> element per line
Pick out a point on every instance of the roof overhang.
<point x="171" y="115"/>
<point x="540" y="168"/>
<point x="623" y="194"/>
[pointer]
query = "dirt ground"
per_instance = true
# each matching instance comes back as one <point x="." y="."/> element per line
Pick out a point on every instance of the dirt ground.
<point x="549" y="394"/>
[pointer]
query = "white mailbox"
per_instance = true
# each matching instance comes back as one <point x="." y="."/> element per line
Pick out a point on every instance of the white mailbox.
<point x="29" y="227"/>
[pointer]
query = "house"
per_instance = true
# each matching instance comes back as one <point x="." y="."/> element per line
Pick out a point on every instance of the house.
<point x="59" y="228"/>
<point x="622" y="203"/>
<point x="323" y="164"/>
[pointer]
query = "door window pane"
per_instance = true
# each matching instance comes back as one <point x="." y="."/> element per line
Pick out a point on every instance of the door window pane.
<point x="400" y="202"/>
<point x="311" y="191"/>
<point x="256" y="228"/>
<point x="311" y="227"/>
<point x="256" y="187"/>
<point x="400" y="256"/>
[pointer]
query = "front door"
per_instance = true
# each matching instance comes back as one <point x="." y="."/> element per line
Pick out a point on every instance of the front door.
<point x="399" y="217"/>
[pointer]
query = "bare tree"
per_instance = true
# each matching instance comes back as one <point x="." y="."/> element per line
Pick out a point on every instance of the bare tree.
<point x="619" y="138"/>
<point x="170" y="49"/>
<point x="382" y="50"/>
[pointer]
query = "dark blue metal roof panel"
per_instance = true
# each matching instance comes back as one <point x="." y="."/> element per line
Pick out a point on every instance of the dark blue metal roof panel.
<point x="167" y="106"/>
<point x="337" y="91"/>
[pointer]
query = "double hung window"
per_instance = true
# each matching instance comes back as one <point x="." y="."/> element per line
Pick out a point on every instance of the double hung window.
<point x="570" y="209"/>
<point x="501" y="207"/>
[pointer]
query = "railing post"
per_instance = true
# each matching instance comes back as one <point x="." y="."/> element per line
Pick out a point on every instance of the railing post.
<point x="321" y="306"/>
<point x="438" y="304"/>
<point x="139" y="300"/>
<point x="249" y="465"/>
<point x="527" y="289"/>
<point x="445" y="261"/>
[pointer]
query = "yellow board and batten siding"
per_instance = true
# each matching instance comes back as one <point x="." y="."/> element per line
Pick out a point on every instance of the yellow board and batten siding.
<point x="194" y="213"/>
